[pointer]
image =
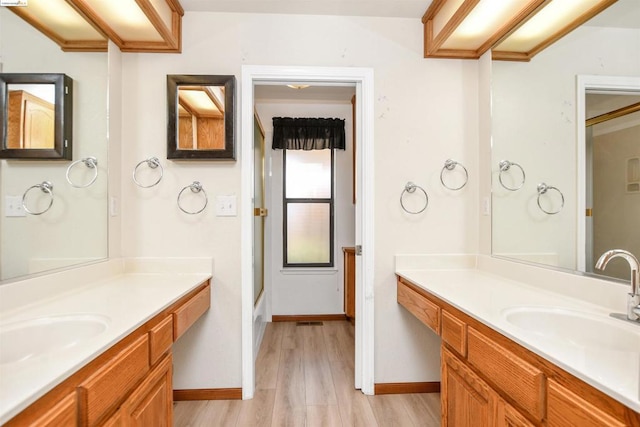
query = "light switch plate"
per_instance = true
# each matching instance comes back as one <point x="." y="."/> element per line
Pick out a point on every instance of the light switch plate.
<point x="226" y="206"/>
<point x="13" y="206"/>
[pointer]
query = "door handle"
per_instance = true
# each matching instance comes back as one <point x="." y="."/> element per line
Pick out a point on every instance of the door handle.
<point x="260" y="212"/>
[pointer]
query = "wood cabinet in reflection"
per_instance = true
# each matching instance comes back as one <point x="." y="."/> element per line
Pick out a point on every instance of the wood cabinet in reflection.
<point x="31" y="121"/>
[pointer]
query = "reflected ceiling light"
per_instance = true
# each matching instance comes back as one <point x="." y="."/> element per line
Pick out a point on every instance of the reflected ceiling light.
<point x="468" y="28"/>
<point x="555" y="20"/>
<point x="133" y="25"/>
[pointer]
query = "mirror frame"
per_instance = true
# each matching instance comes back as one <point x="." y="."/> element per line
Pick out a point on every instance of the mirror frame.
<point x="63" y="127"/>
<point x="174" y="81"/>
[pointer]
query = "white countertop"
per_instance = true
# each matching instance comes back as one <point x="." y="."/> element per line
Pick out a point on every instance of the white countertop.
<point x="127" y="300"/>
<point x="485" y="297"/>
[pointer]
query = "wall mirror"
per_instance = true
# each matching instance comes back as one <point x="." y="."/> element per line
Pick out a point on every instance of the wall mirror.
<point x="539" y="130"/>
<point x="36" y="115"/>
<point x="73" y="230"/>
<point x="200" y="117"/>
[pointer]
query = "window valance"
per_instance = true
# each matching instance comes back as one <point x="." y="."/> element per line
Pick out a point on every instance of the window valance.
<point x="308" y="133"/>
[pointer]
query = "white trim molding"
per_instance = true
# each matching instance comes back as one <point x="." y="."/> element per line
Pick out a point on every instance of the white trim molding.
<point x="363" y="80"/>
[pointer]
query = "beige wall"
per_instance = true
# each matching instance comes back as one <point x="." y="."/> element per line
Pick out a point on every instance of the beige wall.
<point x="425" y="112"/>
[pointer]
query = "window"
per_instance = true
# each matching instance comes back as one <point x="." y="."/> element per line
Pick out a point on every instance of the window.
<point x="308" y="208"/>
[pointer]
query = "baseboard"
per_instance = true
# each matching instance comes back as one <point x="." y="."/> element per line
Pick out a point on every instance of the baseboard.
<point x="208" y="394"/>
<point x="402" y="388"/>
<point x="307" y="317"/>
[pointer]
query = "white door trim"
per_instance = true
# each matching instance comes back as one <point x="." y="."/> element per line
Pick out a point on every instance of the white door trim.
<point x="363" y="78"/>
<point x="584" y="83"/>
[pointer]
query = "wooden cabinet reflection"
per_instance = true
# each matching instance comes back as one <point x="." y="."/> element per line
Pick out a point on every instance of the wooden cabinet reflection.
<point x="31" y="121"/>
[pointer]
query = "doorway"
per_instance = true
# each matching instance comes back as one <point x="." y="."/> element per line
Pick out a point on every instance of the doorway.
<point x="607" y="170"/>
<point x="363" y="81"/>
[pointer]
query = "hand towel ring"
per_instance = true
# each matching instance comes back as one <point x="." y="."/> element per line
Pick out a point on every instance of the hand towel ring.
<point x="542" y="189"/>
<point x="47" y="188"/>
<point x="153" y="163"/>
<point x="90" y="162"/>
<point x="504" y="166"/>
<point x="410" y="187"/>
<point x="450" y="165"/>
<point x="195" y="187"/>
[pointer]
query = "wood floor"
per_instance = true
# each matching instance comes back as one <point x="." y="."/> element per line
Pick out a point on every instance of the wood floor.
<point x="304" y="377"/>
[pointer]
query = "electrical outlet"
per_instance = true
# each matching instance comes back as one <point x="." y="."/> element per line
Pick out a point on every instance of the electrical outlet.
<point x="13" y="206"/>
<point x="226" y="206"/>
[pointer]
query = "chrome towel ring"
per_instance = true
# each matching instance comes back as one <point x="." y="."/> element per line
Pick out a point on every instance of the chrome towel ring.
<point x="46" y="188"/>
<point x="450" y="165"/>
<point x="542" y="189"/>
<point x="153" y="163"/>
<point x="504" y="166"/>
<point x="90" y="162"/>
<point x="195" y="187"/>
<point x="410" y="188"/>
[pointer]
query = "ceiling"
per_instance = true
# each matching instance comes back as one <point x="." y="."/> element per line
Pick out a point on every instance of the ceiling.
<point x="383" y="8"/>
<point x="318" y="93"/>
<point x="624" y="13"/>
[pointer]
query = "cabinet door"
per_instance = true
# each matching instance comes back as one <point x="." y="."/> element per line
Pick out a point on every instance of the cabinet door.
<point x="508" y="416"/>
<point x="467" y="401"/>
<point x="151" y="404"/>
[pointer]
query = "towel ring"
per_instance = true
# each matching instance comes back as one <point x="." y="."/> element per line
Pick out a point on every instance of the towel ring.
<point x="196" y="187"/>
<point x="542" y="189"/>
<point x="410" y="187"/>
<point x="46" y="188"/>
<point x="450" y="165"/>
<point x="90" y="162"/>
<point x="504" y="166"/>
<point x="153" y="163"/>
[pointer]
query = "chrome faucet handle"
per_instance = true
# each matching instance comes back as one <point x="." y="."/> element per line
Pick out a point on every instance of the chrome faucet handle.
<point x="633" y="301"/>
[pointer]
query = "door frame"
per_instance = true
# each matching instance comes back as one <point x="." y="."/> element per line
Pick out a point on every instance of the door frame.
<point x="583" y="84"/>
<point x="365" y="178"/>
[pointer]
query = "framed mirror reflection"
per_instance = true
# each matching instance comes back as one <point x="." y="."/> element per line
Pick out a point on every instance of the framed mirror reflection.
<point x="36" y="116"/>
<point x="200" y="117"/>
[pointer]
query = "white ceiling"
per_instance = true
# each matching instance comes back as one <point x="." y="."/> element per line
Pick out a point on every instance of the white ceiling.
<point x="384" y="8"/>
<point x="623" y="13"/>
<point x="313" y="93"/>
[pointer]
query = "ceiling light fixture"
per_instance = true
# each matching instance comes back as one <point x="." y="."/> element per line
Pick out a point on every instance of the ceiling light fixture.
<point x="468" y="28"/>
<point x="133" y="25"/>
<point x="297" y="86"/>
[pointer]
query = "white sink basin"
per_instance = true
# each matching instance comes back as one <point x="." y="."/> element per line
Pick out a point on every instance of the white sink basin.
<point x="30" y="338"/>
<point x="576" y="328"/>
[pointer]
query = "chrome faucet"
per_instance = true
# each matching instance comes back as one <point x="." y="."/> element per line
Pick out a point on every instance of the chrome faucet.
<point x="633" y="302"/>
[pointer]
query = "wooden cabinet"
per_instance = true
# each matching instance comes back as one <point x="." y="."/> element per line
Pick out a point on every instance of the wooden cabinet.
<point x="151" y="404"/>
<point x="467" y="401"/>
<point x="488" y="379"/>
<point x="31" y="121"/>
<point x="129" y="384"/>
<point x="349" y="282"/>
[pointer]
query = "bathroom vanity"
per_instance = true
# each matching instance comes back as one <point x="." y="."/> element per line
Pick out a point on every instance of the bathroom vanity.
<point x="117" y="368"/>
<point x="513" y="355"/>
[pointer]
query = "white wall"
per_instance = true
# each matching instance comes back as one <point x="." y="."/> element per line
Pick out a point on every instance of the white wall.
<point x="300" y="292"/>
<point x="534" y="124"/>
<point x="75" y="228"/>
<point x="426" y="112"/>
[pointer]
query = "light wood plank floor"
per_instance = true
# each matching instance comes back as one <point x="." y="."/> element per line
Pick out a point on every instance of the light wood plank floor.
<point x="304" y="377"/>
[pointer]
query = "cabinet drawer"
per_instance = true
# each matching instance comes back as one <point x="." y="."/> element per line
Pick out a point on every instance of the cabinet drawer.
<point x="566" y="408"/>
<point x="160" y="339"/>
<point x="454" y="333"/>
<point x="111" y="383"/>
<point x="190" y="311"/>
<point x="418" y="305"/>
<point x="516" y="378"/>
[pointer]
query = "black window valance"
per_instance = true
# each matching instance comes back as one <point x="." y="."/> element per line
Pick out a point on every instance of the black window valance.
<point x="308" y="133"/>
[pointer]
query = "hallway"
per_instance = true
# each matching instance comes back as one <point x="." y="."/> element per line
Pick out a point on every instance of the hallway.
<point x="304" y="377"/>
